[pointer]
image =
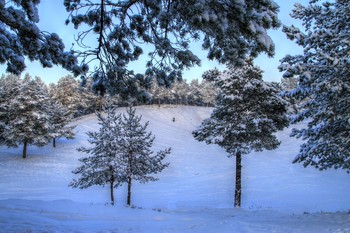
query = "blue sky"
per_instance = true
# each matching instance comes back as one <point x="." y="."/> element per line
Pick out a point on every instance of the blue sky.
<point x="53" y="15"/>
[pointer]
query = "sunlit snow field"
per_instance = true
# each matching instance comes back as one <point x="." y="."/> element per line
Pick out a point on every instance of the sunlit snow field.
<point x="194" y="194"/>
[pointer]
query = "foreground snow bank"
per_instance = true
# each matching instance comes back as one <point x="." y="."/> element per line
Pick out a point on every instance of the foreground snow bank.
<point x="194" y="194"/>
<point x="67" y="216"/>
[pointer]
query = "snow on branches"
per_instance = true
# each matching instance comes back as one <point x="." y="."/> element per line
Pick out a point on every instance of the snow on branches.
<point x="20" y="37"/>
<point x="121" y="152"/>
<point x="229" y="30"/>
<point x="323" y="83"/>
<point x="247" y="114"/>
<point x="28" y="115"/>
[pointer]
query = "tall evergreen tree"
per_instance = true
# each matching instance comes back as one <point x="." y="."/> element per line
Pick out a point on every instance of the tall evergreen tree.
<point x="180" y="91"/>
<point x="28" y="121"/>
<point x="90" y="101"/>
<point x="247" y="114"/>
<point x="323" y="72"/>
<point x="195" y="96"/>
<point x="155" y="92"/>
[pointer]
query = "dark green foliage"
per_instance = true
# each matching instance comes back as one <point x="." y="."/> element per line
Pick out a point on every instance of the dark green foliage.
<point x="10" y="86"/>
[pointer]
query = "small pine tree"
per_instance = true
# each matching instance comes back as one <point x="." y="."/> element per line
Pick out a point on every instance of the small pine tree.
<point x="104" y="165"/>
<point x="247" y="114"/>
<point x="59" y="119"/>
<point x="135" y="148"/>
<point x="121" y="153"/>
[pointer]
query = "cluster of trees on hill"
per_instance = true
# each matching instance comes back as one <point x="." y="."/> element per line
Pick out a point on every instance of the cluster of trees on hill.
<point x="78" y="99"/>
<point x="231" y="32"/>
<point x="82" y="99"/>
<point x="195" y="93"/>
<point x="28" y="115"/>
<point x="33" y="113"/>
<point x="122" y="148"/>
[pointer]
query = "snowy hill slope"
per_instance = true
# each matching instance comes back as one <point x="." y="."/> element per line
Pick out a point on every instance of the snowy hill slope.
<point x="196" y="190"/>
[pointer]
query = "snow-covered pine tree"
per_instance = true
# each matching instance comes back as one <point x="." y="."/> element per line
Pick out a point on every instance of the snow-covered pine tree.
<point x="79" y="100"/>
<point x="66" y="92"/>
<point x="105" y="165"/>
<point x="155" y="91"/>
<point x="136" y="149"/>
<point x="89" y="100"/>
<point x="207" y="88"/>
<point x="323" y="72"/>
<point x="164" y="94"/>
<point x="28" y="121"/>
<point x="59" y="119"/>
<point x="208" y="92"/>
<point x="195" y="97"/>
<point x="179" y="91"/>
<point x="247" y="114"/>
<point x="21" y="37"/>
<point x="121" y="153"/>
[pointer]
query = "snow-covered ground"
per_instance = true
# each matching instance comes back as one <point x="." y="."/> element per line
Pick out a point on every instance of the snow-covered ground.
<point x="194" y="194"/>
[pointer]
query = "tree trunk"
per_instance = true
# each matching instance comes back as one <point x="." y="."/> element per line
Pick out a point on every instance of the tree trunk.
<point x="25" y="149"/>
<point x="112" y="189"/>
<point x="54" y="142"/>
<point x="129" y="191"/>
<point x="100" y="104"/>
<point x="238" y="188"/>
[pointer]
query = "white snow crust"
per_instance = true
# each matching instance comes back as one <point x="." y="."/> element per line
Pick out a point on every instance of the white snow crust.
<point x="194" y="194"/>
